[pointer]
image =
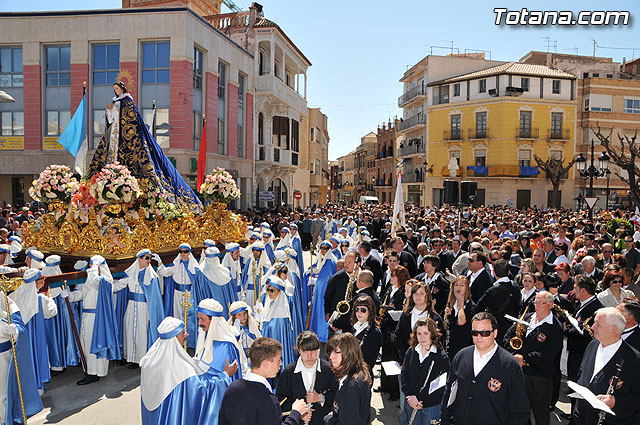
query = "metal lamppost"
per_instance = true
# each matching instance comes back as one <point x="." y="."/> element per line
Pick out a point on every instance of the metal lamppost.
<point x="592" y="172"/>
<point x="607" y="174"/>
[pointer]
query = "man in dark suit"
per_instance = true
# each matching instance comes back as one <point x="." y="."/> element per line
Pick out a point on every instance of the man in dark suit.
<point x="406" y="259"/>
<point x="369" y="262"/>
<point x="630" y="309"/>
<point x="584" y="289"/>
<point x="494" y="389"/>
<point x="378" y="224"/>
<point x="412" y="239"/>
<point x="296" y="379"/>
<point x="503" y="297"/>
<point x="540" y="263"/>
<point x="363" y="287"/>
<point x="437" y="283"/>
<point x="386" y="232"/>
<point x="479" y="279"/>
<point x="606" y="357"/>
<point x="589" y="269"/>
<point x="337" y="284"/>
<point x="456" y="249"/>
<point x="446" y="257"/>
<point x="548" y="245"/>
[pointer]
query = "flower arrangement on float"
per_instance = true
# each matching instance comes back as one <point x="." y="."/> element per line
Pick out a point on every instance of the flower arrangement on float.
<point x="219" y="186"/>
<point x="115" y="184"/>
<point x="84" y="202"/>
<point x="54" y="184"/>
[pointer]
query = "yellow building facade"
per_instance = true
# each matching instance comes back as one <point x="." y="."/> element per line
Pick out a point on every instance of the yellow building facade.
<point x="493" y="129"/>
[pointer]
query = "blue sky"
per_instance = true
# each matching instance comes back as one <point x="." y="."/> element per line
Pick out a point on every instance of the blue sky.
<point x="360" y="49"/>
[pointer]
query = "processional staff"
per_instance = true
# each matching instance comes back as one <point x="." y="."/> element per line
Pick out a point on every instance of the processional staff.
<point x="186" y="305"/>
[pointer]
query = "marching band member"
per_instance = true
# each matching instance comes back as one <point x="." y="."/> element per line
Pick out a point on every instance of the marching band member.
<point x="365" y="328"/>
<point x="458" y="316"/>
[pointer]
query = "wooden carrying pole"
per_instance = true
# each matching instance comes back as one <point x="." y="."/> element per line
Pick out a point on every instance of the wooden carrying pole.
<point x="75" y="331"/>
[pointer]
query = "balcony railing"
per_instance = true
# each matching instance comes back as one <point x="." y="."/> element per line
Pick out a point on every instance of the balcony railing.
<point x="453" y="135"/>
<point x="526" y="133"/>
<point x="558" y="135"/>
<point x="410" y="149"/>
<point x="418" y="119"/>
<point x="270" y="153"/>
<point x="411" y="94"/>
<point x="476" y="133"/>
<point x="412" y="177"/>
<point x="441" y="99"/>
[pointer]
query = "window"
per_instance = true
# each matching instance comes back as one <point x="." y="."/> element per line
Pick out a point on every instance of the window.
<point x="276" y="69"/>
<point x="222" y="77"/>
<point x="524" y="158"/>
<point x="556" y="125"/>
<point x="455" y="127"/>
<point x="524" y="84"/>
<point x="241" y="117"/>
<point x="281" y="132"/>
<point x="198" y="56"/>
<point x="311" y="135"/>
<point x="161" y="125"/>
<point x="481" y="125"/>
<point x="295" y="136"/>
<point x="58" y="67"/>
<point x="586" y="104"/>
<point x="525" y="123"/>
<point x="260" y="129"/>
<point x="11" y="67"/>
<point x="632" y="106"/>
<point x="483" y="86"/>
<point x="596" y="74"/>
<point x="585" y="75"/>
<point x="222" y="83"/>
<point x="155" y="62"/>
<point x="456" y="155"/>
<point x="261" y="63"/>
<point x="480" y="158"/>
<point x="98" y="127"/>
<point x="598" y="102"/>
<point x="456" y="89"/>
<point x="197" y="130"/>
<point x="57" y="121"/>
<point x="555" y="86"/>
<point x="12" y="123"/>
<point x="106" y="63"/>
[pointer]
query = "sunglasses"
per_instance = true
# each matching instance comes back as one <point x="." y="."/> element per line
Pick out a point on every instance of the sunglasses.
<point x="617" y="281"/>
<point x="271" y="290"/>
<point x="471" y="260"/>
<point x="361" y="309"/>
<point x="146" y="258"/>
<point x="557" y="249"/>
<point x="483" y="334"/>
<point x="183" y="251"/>
<point x="494" y="259"/>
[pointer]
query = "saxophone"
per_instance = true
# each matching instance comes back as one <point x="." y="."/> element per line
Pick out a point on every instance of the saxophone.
<point x="344" y="306"/>
<point x="382" y="311"/>
<point x="516" y="342"/>
<point x="587" y="327"/>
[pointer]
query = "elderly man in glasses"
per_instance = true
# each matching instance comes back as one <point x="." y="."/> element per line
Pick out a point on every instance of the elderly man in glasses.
<point x="485" y="378"/>
<point x="144" y="307"/>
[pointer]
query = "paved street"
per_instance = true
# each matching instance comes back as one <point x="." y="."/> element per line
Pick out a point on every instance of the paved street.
<point x="115" y="400"/>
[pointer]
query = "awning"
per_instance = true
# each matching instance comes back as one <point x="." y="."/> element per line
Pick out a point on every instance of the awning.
<point x="529" y="171"/>
<point x="479" y="169"/>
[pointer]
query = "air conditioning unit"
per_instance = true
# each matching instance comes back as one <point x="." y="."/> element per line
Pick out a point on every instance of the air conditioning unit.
<point x="514" y="91"/>
<point x="493" y="92"/>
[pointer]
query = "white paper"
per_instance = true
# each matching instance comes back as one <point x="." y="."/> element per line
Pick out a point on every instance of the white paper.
<point x="515" y="319"/>
<point x="453" y="393"/>
<point x="574" y="323"/>
<point x="391" y="368"/>
<point x="438" y="383"/>
<point x="586" y="393"/>
<point x="395" y="314"/>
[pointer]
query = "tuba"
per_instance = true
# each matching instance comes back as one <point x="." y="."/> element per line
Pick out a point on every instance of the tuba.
<point x="516" y="342"/>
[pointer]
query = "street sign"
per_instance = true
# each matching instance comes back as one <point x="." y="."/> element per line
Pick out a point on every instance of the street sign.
<point x="591" y="201"/>
<point x="297" y="194"/>
<point x="266" y="195"/>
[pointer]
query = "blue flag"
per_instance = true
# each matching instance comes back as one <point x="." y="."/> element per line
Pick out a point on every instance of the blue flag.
<point x="74" y="137"/>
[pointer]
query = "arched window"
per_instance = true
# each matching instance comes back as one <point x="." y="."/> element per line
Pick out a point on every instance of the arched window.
<point x="260" y="129"/>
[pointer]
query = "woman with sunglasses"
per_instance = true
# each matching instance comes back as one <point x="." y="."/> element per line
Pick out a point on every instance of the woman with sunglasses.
<point x="613" y="292"/>
<point x="344" y="247"/>
<point x="352" y="404"/>
<point x="561" y="250"/>
<point x="424" y="362"/>
<point x="457" y="315"/>
<point x="365" y="328"/>
<point x="276" y="322"/>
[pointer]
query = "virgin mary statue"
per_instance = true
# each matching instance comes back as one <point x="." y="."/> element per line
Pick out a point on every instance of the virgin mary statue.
<point x="127" y="140"/>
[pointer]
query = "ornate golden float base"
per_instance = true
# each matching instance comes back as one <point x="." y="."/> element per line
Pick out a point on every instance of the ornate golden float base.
<point x="122" y="238"/>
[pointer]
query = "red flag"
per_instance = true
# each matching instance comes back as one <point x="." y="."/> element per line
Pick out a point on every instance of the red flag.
<point x="202" y="156"/>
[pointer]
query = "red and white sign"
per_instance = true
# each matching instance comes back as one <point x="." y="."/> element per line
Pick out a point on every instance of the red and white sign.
<point x="297" y="194"/>
<point x="591" y="201"/>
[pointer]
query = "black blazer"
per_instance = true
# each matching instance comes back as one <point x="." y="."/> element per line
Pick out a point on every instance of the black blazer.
<point x="352" y="405"/>
<point x="403" y="333"/>
<point x="291" y="387"/>
<point x="576" y="342"/>
<point x="414" y="375"/>
<point x="497" y="396"/>
<point x="388" y="325"/>
<point x="408" y="261"/>
<point x="344" y="322"/>
<point x="480" y="286"/>
<point x="460" y="336"/>
<point x="374" y="266"/>
<point x="370" y="346"/>
<point x="540" y="348"/>
<point x="501" y="299"/>
<point x="626" y="393"/>
<point x="528" y="302"/>
<point x="336" y="288"/>
<point x="446" y="260"/>
<point x="634" y="339"/>
<point x="259" y="406"/>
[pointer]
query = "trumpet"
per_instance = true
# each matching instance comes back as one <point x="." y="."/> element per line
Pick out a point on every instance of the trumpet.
<point x="516" y="342"/>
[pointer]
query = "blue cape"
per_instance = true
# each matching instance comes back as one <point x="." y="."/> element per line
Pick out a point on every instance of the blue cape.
<point x="104" y="343"/>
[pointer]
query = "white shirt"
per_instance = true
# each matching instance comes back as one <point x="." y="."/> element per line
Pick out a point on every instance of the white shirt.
<point x="417" y="315"/>
<point x="480" y="361"/>
<point x="254" y="377"/>
<point x="428" y="279"/>
<point x="360" y="326"/>
<point x="525" y="295"/>
<point x="533" y="323"/>
<point x="421" y="356"/>
<point x="603" y="355"/>
<point x="341" y="381"/>
<point x="307" y="372"/>
<point x="585" y="302"/>
<point x="502" y="279"/>
<point x="474" y="276"/>
<point x="628" y="332"/>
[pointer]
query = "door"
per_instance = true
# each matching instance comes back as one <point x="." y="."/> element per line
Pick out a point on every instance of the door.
<point x="478" y="201"/>
<point x="524" y="199"/>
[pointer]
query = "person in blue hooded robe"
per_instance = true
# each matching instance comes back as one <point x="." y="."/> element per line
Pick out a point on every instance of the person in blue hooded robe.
<point x="335" y="246"/>
<point x="329" y="228"/>
<point x="176" y="389"/>
<point x="267" y="240"/>
<point x="254" y="270"/>
<point x="217" y="343"/>
<point x="128" y="141"/>
<point x="247" y="327"/>
<point x="276" y="316"/>
<point x="296" y="244"/>
<point x="286" y="269"/>
<point x="231" y="261"/>
<point x="324" y="268"/>
<point x="10" y="408"/>
<point x="145" y="309"/>
<point x="213" y="278"/>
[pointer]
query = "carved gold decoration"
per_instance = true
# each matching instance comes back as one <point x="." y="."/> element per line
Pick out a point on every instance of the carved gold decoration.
<point x="68" y="236"/>
<point x="126" y="77"/>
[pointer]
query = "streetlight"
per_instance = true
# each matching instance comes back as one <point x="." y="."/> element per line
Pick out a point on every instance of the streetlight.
<point x="607" y="173"/>
<point x="592" y="172"/>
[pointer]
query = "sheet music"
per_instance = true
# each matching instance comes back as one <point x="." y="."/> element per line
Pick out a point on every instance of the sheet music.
<point x="391" y="368"/>
<point x="586" y="393"/>
<point x="574" y="323"/>
<point x="438" y="383"/>
<point x="453" y="393"/>
<point x="395" y="314"/>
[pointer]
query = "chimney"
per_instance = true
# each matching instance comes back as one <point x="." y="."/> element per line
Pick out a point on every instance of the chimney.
<point x="624" y="63"/>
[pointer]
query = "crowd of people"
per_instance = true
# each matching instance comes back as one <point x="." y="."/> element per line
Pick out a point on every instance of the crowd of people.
<point x="480" y="310"/>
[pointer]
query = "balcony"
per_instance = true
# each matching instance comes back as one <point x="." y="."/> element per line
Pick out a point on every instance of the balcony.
<point x="563" y="134"/>
<point x="270" y="153"/>
<point x="382" y="182"/>
<point x="441" y="99"/>
<point x="411" y="122"/>
<point x="477" y="133"/>
<point x="411" y="94"/>
<point x="452" y="135"/>
<point x="413" y="177"/>
<point x="526" y="133"/>
<point x="411" y="148"/>
<point x="270" y="85"/>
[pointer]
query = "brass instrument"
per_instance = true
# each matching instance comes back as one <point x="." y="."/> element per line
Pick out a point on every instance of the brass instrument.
<point x="344" y="306"/>
<point x="562" y="312"/>
<point x="612" y="386"/>
<point x="382" y="310"/>
<point x="587" y="327"/>
<point x="516" y="342"/>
